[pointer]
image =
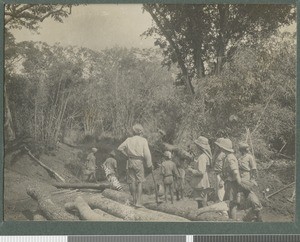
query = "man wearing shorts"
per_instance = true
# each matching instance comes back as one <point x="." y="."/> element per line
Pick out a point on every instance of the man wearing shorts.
<point x="137" y="150"/>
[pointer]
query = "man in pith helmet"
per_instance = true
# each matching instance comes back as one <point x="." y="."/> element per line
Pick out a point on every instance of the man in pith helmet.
<point x="200" y="180"/>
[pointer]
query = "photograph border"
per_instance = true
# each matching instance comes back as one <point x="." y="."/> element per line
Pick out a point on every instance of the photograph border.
<point x="146" y="228"/>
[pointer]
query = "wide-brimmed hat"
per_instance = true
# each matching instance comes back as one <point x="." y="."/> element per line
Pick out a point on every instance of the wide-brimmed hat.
<point x="225" y="144"/>
<point x="168" y="154"/>
<point x="243" y="145"/>
<point x="138" y="129"/>
<point x="94" y="150"/>
<point x="202" y="142"/>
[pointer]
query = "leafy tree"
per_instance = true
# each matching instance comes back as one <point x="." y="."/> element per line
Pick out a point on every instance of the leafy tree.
<point x="200" y="38"/>
<point x="256" y="90"/>
<point x="18" y="16"/>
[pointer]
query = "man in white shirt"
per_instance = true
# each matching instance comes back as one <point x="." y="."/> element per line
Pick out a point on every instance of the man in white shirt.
<point x="137" y="150"/>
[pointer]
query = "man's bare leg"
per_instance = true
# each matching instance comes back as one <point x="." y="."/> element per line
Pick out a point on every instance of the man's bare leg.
<point x="165" y="190"/>
<point x="171" y="192"/>
<point x="132" y="187"/>
<point x="139" y="194"/>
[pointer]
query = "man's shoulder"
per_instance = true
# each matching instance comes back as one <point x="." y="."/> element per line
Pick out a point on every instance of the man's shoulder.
<point x="231" y="157"/>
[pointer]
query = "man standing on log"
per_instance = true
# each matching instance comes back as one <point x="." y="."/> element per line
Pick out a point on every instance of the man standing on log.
<point x="200" y="182"/>
<point x="137" y="150"/>
<point x="110" y="167"/>
<point x="89" y="170"/>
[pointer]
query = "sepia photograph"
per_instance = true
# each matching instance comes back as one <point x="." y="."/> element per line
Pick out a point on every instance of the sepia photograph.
<point x="150" y="112"/>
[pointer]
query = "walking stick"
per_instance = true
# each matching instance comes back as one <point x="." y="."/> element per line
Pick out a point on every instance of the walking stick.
<point x="155" y="188"/>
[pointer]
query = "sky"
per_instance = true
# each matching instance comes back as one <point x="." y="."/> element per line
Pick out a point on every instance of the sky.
<point x="95" y="26"/>
<point x="98" y="26"/>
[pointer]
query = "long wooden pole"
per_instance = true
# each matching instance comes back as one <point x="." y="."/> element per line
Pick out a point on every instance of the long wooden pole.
<point x="48" y="169"/>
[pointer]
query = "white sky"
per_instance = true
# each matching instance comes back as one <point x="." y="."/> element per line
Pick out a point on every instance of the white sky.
<point x="96" y="26"/>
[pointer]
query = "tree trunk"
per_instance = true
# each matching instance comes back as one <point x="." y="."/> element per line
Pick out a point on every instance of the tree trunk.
<point x="222" y="37"/>
<point x="96" y="186"/>
<point x="86" y="213"/>
<point x="50" y="210"/>
<point x="129" y="213"/>
<point x="193" y="214"/>
<point x="8" y="122"/>
<point x="168" y="36"/>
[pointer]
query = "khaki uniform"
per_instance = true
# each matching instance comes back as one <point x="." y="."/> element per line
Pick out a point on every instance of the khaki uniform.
<point x="218" y="167"/>
<point x="137" y="150"/>
<point x="200" y="176"/>
<point x="246" y="164"/>
<point x="230" y="166"/>
<point x="169" y="170"/>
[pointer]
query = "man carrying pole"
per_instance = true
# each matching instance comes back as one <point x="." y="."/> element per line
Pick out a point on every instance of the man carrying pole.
<point x="137" y="150"/>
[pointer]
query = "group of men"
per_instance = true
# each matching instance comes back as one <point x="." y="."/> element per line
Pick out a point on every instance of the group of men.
<point x="233" y="176"/>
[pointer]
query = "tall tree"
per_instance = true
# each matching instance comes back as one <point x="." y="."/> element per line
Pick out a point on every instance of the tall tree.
<point x="28" y="16"/>
<point x="200" y="38"/>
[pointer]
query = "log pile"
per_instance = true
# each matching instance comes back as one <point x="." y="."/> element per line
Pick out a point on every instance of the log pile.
<point x="86" y="213"/>
<point x="50" y="210"/>
<point x="114" y="205"/>
<point x="203" y="214"/>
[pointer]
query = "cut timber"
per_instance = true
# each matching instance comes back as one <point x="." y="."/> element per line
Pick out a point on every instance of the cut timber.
<point x="129" y="213"/>
<point x="50" y="171"/>
<point x="109" y="217"/>
<point x="98" y="186"/>
<point x="179" y="151"/>
<point x="50" y="210"/>
<point x="186" y="212"/>
<point x="39" y="217"/>
<point x="86" y="213"/>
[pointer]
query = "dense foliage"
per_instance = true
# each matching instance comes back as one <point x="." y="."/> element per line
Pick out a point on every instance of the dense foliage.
<point x="57" y="93"/>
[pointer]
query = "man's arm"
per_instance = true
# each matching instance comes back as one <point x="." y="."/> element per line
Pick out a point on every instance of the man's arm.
<point x="122" y="147"/>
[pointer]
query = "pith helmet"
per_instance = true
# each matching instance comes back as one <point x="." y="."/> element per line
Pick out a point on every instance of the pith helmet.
<point x="168" y="154"/>
<point x="202" y="142"/>
<point x="94" y="150"/>
<point x="138" y="129"/>
<point x="225" y="144"/>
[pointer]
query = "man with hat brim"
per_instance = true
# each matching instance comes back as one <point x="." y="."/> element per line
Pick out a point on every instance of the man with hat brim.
<point x="169" y="172"/>
<point x="110" y="167"/>
<point x="89" y="170"/>
<point x="234" y="183"/>
<point x="200" y="181"/>
<point x="247" y="164"/>
<point x="137" y="151"/>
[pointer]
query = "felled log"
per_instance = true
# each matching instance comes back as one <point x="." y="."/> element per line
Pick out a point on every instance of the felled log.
<point x="50" y="210"/>
<point x="129" y="213"/>
<point x="50" y="171"/>
<point x="108" y="216"/>
<point x="193" y="214"/>
<point x="86" y="213"/>
<point x="39" y="217"/>
<point x="97" y="186"/>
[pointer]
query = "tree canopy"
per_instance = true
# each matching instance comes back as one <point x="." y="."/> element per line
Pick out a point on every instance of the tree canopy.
<point x="200" y="38"/>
